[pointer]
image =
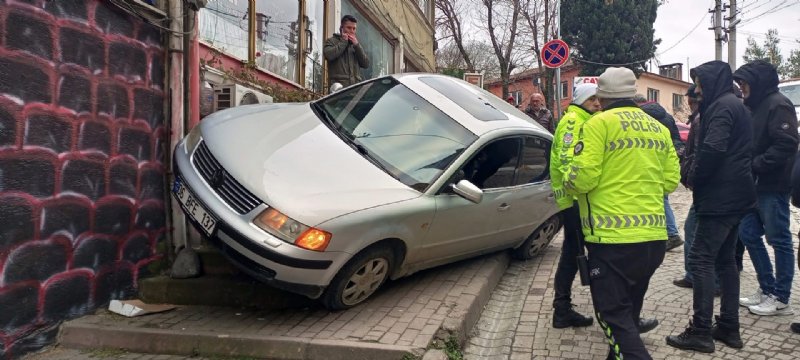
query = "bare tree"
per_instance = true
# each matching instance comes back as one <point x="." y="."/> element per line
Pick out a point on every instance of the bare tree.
<point x="541" y="26"/>
<point x="502" y="21"/>
<point x="448" y="56"/>
<point x="449" y="23"/>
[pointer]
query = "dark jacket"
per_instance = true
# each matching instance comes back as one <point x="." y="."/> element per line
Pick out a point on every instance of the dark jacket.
<point x="344" y="60"/>
<point x="721" y="176"/>
<point x="658" y="112"/>
<point x="774" y="127"/>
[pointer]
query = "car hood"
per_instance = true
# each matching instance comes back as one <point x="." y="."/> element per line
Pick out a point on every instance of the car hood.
<point x="287" y="157"/>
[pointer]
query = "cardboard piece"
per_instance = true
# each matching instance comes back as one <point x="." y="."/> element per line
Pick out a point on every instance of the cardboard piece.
<point x="131" y="308"/>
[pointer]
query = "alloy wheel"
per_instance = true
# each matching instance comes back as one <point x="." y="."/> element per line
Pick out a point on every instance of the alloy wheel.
<point x="543" y="236"/>
<point x="365" y="281"/>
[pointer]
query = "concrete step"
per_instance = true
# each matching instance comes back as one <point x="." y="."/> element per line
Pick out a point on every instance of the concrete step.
<point x="218" y="290"/>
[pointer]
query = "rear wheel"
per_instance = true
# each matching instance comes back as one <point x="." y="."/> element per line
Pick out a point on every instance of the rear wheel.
<point x="359" y="278"/>
<point x="539" y="239"/>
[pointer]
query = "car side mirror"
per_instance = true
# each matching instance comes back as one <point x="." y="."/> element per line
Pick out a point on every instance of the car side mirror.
<point x="336" y="87"/>
<point x="468" y="191"/>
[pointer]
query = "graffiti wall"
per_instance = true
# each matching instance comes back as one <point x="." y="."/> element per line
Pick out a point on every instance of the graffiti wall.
<point x="82" y="143"/>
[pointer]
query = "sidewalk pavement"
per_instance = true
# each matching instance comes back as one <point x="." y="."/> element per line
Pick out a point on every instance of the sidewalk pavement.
<point x="401" y="322"/>
<point x="517" y="321"/>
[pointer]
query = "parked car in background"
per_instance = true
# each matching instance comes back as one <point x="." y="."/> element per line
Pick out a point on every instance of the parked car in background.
<point x="683" y="130"/>
<point x="791" y="88"/>
<point x="331" y="198"/>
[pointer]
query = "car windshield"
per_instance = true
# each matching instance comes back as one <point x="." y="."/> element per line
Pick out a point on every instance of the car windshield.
<point x="394" y="127"/>
<point x="792" y="92"/>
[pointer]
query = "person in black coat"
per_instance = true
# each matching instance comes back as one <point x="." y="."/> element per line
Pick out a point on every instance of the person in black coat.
<point x="775" y="145"/>
<point x="723" y="192"/>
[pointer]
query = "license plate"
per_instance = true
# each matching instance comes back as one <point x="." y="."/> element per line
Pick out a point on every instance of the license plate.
<point x="193" y="208"/>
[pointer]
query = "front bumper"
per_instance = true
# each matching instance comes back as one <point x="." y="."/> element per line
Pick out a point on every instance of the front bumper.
<point x="252" y="250"/>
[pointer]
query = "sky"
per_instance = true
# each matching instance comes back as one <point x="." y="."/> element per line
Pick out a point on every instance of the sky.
<point x="681" y="44"/>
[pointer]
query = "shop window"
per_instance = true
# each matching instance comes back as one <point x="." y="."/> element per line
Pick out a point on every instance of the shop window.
<point x="378" y="49"/>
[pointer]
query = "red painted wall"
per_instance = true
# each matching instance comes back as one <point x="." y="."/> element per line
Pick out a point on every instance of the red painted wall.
<point x="525" y="84"/>
<point x="82" y="149"/>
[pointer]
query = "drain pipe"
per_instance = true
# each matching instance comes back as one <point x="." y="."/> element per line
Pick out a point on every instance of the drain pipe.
<point x="175" y="219"/>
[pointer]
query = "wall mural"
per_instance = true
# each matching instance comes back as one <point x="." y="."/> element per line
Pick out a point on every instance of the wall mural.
<point x="82" y="143"/>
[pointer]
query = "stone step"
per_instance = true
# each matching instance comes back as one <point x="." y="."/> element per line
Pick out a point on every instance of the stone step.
<point x="218" y="290"/>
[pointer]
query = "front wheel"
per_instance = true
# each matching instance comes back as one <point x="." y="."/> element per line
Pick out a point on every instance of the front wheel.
<point x="359" y="278"/>
<point x="539" y="239"/>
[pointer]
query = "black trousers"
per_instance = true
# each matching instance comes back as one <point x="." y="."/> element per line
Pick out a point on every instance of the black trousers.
<point x="568" y="263"/>
<point x="714" y="252"/>
<point x="620" y="275"/>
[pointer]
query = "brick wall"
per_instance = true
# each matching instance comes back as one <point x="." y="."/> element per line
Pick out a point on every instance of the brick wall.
<point x="82" y="145"/>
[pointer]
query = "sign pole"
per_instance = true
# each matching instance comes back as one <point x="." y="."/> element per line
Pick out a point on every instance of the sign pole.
<point x="557" y="115"/>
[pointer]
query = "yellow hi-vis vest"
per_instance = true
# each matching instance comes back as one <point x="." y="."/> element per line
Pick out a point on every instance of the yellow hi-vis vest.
<point x="561" y="151"/>
<point x="624" y="164"/>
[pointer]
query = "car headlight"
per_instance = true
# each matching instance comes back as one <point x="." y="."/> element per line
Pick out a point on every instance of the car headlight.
<point x="292" y="231"/>
<point x="193" y="138"/>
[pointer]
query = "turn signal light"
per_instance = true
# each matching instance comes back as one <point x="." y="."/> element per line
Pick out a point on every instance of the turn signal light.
<point x="314" y="239"/>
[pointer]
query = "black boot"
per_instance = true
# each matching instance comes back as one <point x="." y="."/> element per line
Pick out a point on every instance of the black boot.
<point x="692" y="339"/>
<point x="795" y="328"/>
<point x="567" y="317"/>
<point x="728" y="335"/>
<point x="646" y="325"/>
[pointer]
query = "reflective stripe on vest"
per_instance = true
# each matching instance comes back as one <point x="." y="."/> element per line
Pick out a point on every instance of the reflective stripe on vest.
<point x="635" y="143"/>
<point x="622" y="221"/>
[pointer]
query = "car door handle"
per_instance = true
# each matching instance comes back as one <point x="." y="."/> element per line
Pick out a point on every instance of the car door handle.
<point x="503" y="207"/>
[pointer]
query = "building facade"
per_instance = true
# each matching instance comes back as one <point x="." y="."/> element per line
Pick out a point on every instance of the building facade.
<point x="289" y="37"/>
<point x="526" y="83"/>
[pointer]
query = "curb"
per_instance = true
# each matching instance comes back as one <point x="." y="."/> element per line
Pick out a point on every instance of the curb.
<point x="467" y="312"/>
<point x="168" y="342"/>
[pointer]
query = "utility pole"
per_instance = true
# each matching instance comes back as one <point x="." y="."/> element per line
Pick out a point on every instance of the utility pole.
<point x="717" y="29"/>
<point x="732" y="21"/>
<point x="558" y="70"/>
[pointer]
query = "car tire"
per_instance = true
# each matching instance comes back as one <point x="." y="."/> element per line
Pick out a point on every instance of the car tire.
<point x="354" y="284"/>
<point x="539" y="239"/>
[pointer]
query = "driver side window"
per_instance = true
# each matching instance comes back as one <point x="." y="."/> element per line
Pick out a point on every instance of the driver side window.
<point x="494" y="165"/>
<point x="535" y="164"/>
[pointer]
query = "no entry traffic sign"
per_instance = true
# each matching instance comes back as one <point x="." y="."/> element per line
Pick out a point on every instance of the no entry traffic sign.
<point x="555" y="53"/>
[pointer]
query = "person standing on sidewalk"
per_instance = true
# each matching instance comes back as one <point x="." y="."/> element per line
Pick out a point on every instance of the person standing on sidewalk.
<point x="795" y="326"/>
<point x="723" y="192"/>
<point x="623" y="165"/>
<point x="775" y="141"/>
<point x="690" y="224"/>
<point x="539" y="113"/>
<point x="584" y="104"/>
<point x="658" y="112"/>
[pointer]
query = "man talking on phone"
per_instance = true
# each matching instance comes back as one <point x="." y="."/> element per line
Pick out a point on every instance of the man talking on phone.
<point x="345" y="56"/>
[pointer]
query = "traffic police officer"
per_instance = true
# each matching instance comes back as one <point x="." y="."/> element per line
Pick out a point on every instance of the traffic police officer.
<point x="584" y="104"/>
<point x="623" y="165"/>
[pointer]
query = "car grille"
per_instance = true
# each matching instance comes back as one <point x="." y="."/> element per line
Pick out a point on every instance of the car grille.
<point x="233" y="193"/>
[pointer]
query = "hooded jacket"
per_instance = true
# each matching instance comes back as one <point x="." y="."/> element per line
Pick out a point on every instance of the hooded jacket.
<point x="720" y="175"/>
<point x="658" y="112"/>
<point x="774" y="127"/>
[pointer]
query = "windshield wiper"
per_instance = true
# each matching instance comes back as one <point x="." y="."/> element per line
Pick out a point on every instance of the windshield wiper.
<point x="364" y="152"/>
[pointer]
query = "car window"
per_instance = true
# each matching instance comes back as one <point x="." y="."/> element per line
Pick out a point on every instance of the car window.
<point x="494" y="165"/>
<point x="407" y="136"/>
<point x="792" y="92"/>
<point x="535" y="163"/>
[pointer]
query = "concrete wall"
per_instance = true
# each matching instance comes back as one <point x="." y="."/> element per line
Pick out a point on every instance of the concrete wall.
<point x="82" y="149"/>
<point x="404" y="17"/>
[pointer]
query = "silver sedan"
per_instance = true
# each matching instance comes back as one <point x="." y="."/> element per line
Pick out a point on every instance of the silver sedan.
<point x="377" y="181"/>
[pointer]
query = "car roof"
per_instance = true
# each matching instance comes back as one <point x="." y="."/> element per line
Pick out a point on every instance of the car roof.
<point x="795" y="81"/>
<point x="514" y="118"/>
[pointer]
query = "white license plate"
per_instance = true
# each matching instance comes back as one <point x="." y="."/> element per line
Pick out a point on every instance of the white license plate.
<point x="193" y="208"/>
